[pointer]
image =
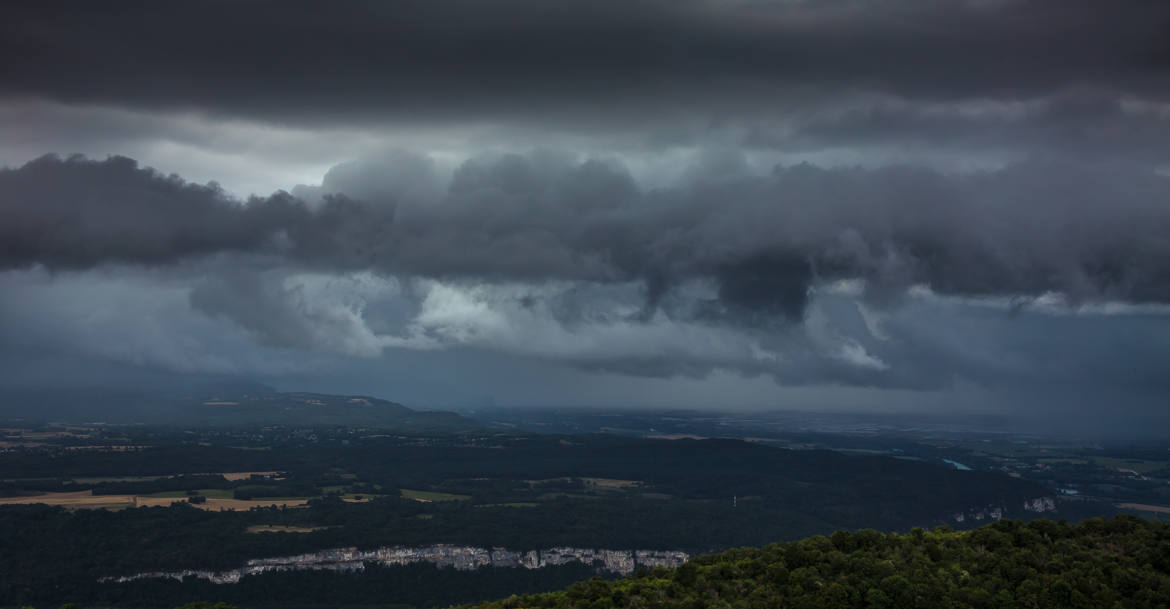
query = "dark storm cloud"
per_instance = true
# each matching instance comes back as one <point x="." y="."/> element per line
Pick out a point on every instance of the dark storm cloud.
<point x="659" y="245"/>
<point x="766" y="286"/>
<point x="1079" y="122"/>
<point x="1091" y="231"/>
<point x="529" y="58"/>
<point x="76" y="214"/>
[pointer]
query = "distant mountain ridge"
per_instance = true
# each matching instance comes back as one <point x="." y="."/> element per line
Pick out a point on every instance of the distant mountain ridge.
<point x="302" y="408"/>
<point x="300" y="400"/>
<point x="225" y="405"/>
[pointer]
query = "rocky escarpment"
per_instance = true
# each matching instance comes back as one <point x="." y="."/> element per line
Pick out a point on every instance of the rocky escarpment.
<point x="1039" y="505"/>
<point x="441" y="555"/>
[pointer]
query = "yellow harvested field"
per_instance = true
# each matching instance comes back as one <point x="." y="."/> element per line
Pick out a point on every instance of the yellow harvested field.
<point x="87" y="500"/>
<point x="19" y="443"/>
<point x="75" y="500"/>
<point x="42" y="435"/>
<point x="1161" y="509"/>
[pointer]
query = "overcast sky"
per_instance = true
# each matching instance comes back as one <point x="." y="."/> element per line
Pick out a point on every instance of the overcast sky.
<point x="749" y="204"/>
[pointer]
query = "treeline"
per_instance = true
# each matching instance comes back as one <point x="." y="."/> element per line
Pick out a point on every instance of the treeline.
<point x="1123" y="563"/>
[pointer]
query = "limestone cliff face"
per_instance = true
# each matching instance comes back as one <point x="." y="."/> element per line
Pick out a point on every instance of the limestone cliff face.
<point x="441" y="555"/>
<point x="1039" y="505"/>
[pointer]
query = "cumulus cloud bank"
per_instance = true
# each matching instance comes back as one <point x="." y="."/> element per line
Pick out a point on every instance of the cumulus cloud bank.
<point x="1084" y="230"/>
<point x="799" y="272"/>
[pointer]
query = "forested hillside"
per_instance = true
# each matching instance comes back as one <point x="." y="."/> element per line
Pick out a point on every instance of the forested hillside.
<point x="1119" y="563"/>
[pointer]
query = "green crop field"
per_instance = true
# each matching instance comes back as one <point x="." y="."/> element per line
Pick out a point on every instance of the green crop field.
<point x="429" y="496"/>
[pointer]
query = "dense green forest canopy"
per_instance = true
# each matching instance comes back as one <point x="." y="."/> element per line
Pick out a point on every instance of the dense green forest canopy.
<point x="1118" y="563"/>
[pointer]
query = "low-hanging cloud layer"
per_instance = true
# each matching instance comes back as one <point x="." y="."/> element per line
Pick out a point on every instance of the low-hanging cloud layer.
<point x="550" y="257"/>
<point x="885" y="195"/>
<point x="1087" y="231"/>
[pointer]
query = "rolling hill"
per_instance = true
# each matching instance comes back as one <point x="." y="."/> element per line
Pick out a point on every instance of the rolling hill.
<point x="226" y="405"/>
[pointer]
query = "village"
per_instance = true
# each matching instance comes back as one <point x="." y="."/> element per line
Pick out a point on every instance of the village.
<point x="463" y="558"/>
